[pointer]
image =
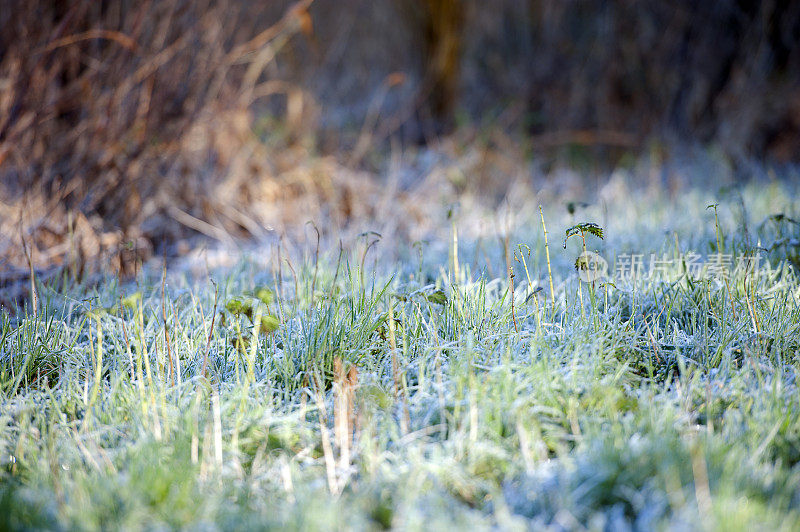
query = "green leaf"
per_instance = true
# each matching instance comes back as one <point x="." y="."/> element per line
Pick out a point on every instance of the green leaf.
<point x="593" y="229"/>
<point x="264" y="294"/>
<point x="581" y="228"/>
<point x="269" y="324"/>
<point x="582" y="263"/>
<point x="234" y="306"/>
<point x="438" y="297"/>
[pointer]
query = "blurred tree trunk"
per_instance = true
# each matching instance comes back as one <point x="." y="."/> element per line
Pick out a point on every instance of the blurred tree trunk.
<point x="442" y="23"/>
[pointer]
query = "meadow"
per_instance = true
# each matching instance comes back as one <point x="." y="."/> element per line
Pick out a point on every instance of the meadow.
<point x="473" y="381"/>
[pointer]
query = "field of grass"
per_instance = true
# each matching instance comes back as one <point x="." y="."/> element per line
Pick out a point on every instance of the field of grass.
<point x="423" y="393"/>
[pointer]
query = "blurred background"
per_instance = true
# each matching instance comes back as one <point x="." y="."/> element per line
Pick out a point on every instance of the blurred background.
<point x="132" y="127"/>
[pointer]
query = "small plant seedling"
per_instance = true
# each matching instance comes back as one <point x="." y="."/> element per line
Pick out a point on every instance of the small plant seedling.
<point x="264" y="294"/>
<point x="238" y="306"/>
<point x="438" y="297"/>
<point x="269" y="324"/>
<point x="235" y="306"/>
<point x="582" y="229"/>
<point x="254" y="305"/>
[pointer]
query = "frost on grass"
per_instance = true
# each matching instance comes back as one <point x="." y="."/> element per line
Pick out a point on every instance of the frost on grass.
<point x="369" y="397"/>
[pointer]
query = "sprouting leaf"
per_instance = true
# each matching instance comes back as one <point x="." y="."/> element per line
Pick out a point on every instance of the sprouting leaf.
<point x="572" y="231"/>
<point x="234" y="306"/>
<point x="593" y="229"/>
<point x="438" y="297"/>
<point x="264" y="294"/>
<point x="132" y="300"/>
<point x="581" y="228"/>
<point x="269" y="324"/>
<point x="582" y="263"/>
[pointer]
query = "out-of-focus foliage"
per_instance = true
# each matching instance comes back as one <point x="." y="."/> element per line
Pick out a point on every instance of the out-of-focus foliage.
<point x="127" y="124"/>
<point x="615" y="71"/>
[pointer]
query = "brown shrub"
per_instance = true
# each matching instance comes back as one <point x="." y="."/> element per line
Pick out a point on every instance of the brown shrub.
<point x="119" y="118"/>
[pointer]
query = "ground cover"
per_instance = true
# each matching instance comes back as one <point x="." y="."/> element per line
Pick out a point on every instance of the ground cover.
<point x="473" y="381"/>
